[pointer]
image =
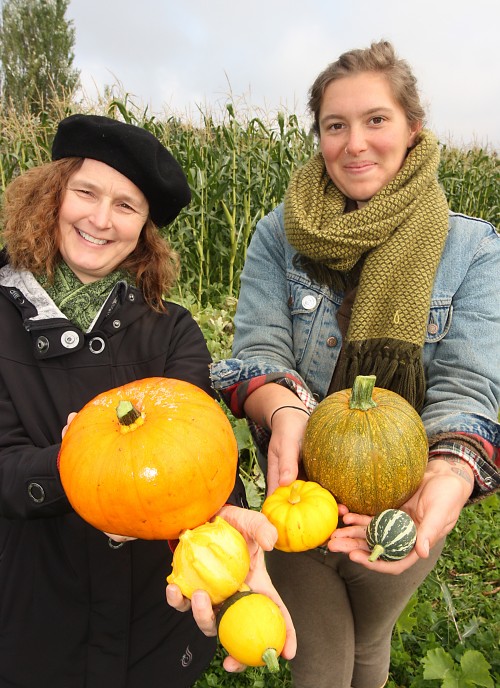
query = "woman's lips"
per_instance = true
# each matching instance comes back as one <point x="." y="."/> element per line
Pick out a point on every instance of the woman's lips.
<point x="91" y="239"/>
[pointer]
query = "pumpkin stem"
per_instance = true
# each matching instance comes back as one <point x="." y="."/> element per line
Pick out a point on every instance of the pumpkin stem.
<point x="294" y="496"/>
<point x="126" y="413"/>
<point x="270" y="657"/>
<point x="376" y="552"/>
<point x="361" y="393"/>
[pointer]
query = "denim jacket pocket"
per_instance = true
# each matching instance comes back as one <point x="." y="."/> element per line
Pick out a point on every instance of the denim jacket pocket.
<point x="439" y="322"/>
<point x="304" y="303"/>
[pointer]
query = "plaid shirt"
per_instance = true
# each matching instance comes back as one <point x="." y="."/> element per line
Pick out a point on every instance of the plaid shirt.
<point x="480" y="455"/>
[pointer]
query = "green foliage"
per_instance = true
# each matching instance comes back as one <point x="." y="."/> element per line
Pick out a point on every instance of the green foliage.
<point x="36" y="54"/>
<point x="471" y="180"/>
<point x="472" y="670"/>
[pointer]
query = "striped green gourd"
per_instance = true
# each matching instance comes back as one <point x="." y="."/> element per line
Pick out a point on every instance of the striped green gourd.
<point x="391" y="535"/>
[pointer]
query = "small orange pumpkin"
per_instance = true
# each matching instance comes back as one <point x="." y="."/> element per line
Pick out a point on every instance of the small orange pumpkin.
<point x="149" y="459"/>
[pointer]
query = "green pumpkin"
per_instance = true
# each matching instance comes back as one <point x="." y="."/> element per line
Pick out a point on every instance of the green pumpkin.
<point x="391" y="535"/>
<point x="367" y="445"/>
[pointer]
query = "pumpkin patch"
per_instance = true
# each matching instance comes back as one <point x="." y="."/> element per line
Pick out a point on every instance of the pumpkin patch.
<point x="367" y="445"/>
<point x="149" y="459"/>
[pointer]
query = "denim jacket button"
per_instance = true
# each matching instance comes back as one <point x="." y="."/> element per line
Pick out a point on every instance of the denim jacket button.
<point x="309" y="302"/>
<point x="432" y="328"/>
<point x="331" y="341"/>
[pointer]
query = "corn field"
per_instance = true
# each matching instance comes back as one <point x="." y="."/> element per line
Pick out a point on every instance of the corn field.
<point x="238" y="169"/>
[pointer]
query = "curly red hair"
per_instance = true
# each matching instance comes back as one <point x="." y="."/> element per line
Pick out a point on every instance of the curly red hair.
<point x="31" y="231"/>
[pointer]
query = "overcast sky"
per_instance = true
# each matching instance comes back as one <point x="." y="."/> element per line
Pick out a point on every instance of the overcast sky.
<point x="176" y="55"/>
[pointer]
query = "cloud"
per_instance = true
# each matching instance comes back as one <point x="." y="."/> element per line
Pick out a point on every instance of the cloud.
<point x="180" y="55"/>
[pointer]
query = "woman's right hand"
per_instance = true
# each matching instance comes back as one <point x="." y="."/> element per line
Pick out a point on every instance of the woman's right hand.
<point x="283" y="456"/>
<point x="282" y="412"/>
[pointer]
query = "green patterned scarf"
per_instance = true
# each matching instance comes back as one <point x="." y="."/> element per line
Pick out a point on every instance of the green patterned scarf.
<point x="79" y="302"/>
<point x="401" y="233"/>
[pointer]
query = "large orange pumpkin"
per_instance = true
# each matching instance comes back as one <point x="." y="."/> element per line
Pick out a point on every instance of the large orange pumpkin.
<point x="149" y="459"/>
<point x="367" y="445"/>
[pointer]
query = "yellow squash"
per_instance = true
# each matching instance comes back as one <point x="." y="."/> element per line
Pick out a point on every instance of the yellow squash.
<point x="252" y="629"/>
<point x="304" y="514"/>
<point x="212" y="557"/>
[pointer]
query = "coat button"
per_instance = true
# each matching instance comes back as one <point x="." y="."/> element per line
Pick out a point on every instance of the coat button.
<point x="116" y="324"/>
<point x="432" y="328"/>
<point x="42" y="344"/>
<point x="131" y="297"/>
<point x="70" y="339"/>
<point x="36" y="492"/>
<point x="309" y="302"/>
<point x="331" y="341"/>
<point x="97" y="345"/>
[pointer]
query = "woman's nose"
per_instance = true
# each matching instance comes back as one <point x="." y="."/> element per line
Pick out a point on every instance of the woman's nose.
<point x="356" y="143"/>
<point x="101" y="217"/>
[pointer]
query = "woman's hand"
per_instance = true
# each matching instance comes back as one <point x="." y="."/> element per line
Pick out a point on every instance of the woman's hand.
<point x="65" y="429"/>
<point x="435" y="508"/>
<point x="260" y="535"/>
<point x="277" y="408"/>
<point x="285" y="445"/>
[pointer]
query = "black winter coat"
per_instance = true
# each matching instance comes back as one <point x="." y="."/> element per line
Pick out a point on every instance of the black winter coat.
<point x="75" y="613"/>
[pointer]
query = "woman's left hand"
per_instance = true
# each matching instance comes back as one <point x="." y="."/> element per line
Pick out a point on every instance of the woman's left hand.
<point x="435" y="508"/>
<point x="260" y="535"/>
<point x="65" y="429"/>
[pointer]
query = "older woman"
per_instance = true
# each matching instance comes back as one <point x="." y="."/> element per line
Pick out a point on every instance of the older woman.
<point x="82" y="280"/>
<point x="363" y="269"/>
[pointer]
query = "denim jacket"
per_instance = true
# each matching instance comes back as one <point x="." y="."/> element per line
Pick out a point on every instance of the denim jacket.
<point x="287" y="323"/>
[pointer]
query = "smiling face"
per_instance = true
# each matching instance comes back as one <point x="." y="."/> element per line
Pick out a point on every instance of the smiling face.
<point x="364" y="134"/>
<point x="100" y="220"/>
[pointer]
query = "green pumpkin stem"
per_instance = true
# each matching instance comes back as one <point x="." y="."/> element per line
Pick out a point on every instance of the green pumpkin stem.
<point x="376" y="552"/>
<point x="294" y="496"/>
<point x="270" y="657"/>
<point x="126" y="413"/>
<point x="361" y="393"/>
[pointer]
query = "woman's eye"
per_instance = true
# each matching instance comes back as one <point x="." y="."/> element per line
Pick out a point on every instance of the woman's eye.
<point x="126" y="206"/>
<point x="336" y="126"/>
<point x="377" y="120"/>
<point x="83" y="192"/>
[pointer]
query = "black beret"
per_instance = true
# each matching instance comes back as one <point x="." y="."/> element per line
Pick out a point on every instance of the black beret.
<point x="134" y="152"/>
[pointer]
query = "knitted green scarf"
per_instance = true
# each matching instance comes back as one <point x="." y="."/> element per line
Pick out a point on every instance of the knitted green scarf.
<point x="79" y="302"/>
<point x="401" y="232"/>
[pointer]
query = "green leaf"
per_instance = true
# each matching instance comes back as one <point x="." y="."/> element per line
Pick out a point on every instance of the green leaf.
<point x="437" y="664"/>
<point x="476" y="669"/>
<point x="407" y="619"/>
<point x="452" y="681"/>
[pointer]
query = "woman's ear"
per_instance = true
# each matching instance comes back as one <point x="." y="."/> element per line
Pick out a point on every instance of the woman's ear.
<point x="415" y="129"/>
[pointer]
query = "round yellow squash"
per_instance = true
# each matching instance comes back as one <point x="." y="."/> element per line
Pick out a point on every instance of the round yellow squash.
<point x="303" y="513"/>
<point x="252" y="629"/>
<point x="213" y="557"/>
<point x="367" y="446"/>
